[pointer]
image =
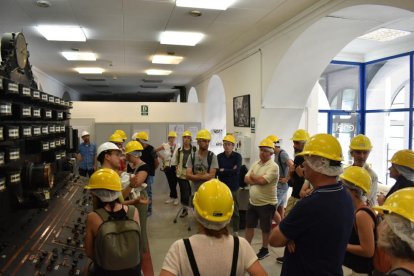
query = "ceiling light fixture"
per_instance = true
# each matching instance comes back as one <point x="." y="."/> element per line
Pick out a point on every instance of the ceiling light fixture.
<point x="88" y="56"/>
<point x="62" y="33"/>
<point x="384" y="34"/>
<point x="89" y="70"/>
<point x="181" y="38"/>
<point x="43" y="3"/>
<point x="157" y="72"/>
<point x="166" y="59"/>
<point x="203" y="4"/>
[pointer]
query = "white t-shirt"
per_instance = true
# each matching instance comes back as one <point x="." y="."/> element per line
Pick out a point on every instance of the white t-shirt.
<point x="167" y="153"/>
<point x="213" y="256"/>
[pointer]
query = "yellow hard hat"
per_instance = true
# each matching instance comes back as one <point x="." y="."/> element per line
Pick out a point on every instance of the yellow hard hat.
<point x="133" y="146"/>
<point x="115" y="138"/>
<point x="187" y="133"/>
<point x="230" y="138"/>
<point x="105" y="179"/>
<point x="404" y="158"/>
<point x="400" y="203"/>
<point x="213" y="201"/>
<point x="267" y="143"/>
<point x="273" y="138"/>
<point x="300" y="135"/>
<point x="142" y="135"/>
<point x="357" y="176"/>
<point x="172" y="134"/>
<point x="323" y="145"/>
<point x="204" y="134"/>
<point x="121" y="133"/>
<point x="360" y="142"/>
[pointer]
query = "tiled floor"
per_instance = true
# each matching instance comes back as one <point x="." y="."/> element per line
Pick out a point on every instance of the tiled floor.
<point x="163" y="232"/>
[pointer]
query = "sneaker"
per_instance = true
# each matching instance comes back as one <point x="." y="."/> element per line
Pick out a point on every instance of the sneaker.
<point x="263" y="253"/>
<point x="184" y="213"/>
<point x="169" y="200"/>
<point x="280" y="260"/>
<point x="176" y="202"/>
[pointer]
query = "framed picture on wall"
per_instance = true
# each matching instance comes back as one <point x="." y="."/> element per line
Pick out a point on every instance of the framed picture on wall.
<point x="241" y="111"/>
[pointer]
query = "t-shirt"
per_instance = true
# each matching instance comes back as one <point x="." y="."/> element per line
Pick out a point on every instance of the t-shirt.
<point x="320" y="225"/>
<point x="143" y="167"/>
<point x="88" y="153"/>
<point x="297" y="181"/>
<point x="261" y="195"/>
<point x="283" y="166"/>
<point x="201" y="166"/>
<point x="148" y="156"/>
<point x="213" y="256"/>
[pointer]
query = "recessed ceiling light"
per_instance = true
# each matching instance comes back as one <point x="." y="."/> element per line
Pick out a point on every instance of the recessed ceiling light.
<point x="205" y="4"/>
<point x="79" y="56"/>
<point x="180" y="38"/>
<point x="43" y="3"/>
<point x="166" y="59"/>
<point x="157" y="72"/>
<point x="89" y="70"/>
<point x="384" y="34"/>
<point x="62" y="33"/>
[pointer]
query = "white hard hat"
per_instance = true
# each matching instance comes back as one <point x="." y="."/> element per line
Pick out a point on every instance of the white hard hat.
<point x="134" y="136"/>
<point x="106" y="146"/>
<point x="84" y="133"/>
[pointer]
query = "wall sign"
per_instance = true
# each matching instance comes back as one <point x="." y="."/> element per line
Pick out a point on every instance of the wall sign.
<point x="144" y="110"/>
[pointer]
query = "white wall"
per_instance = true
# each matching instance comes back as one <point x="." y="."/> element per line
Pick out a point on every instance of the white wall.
<point x="52" y="86"/>
<point x="125" y="112"/>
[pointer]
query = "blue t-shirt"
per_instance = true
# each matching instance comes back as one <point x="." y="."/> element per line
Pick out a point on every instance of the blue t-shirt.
<point x="231" y="165"/>
<point x="88" y="152"/>
<point x="320" y="226"/>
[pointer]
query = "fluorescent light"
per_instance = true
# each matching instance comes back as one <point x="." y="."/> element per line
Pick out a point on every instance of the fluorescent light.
<point x="166" y="59"/>
<point x="180" y="38"/>
<point x="205" y="4"/>
<point x="89" y="70"/>
<point x="157" y="72"/>
<point x="79" y="56"/>
<point x="384" y="34"/>
<point x="62" y="33"/>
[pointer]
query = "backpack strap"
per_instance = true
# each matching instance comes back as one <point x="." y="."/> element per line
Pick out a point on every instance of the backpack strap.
<point x="103" y="214"/>
<point x="280" y="162"/>
<point x="209" y="160"/>
<point x="235" y="256"/>
<point x="131" y="212"/>
<point x="192" y="156"/>
<point x="191" y="258"/>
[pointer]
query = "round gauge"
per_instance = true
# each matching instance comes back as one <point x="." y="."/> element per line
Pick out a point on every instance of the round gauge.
<point x="21" y="50"/>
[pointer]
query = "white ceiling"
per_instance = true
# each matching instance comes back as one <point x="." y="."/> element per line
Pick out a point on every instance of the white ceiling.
<point x="124" y="34"/>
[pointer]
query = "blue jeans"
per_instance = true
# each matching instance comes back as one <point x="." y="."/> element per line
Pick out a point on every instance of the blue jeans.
<point x="282" y="189"/>
<point x="150" y="181"/>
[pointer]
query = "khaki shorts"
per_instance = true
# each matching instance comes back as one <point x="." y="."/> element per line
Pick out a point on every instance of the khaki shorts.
<point x="291" y="202"/>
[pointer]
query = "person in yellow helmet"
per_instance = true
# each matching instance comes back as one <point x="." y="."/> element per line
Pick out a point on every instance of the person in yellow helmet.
<point x="166" y="152"/>
<point x="402" y="170"/>
<point x="316" y="231"/>
<point x="212" y="251"/>
<point x="230" y="163"/>
<point x="396" y="231"/>
<point x="150" y="157"/>
<point x="202" y="164"/>
<point x="105" y="187"/>
<point x="361" y="246"/>
<point x="262" y="178"/>
<point x="360" y="148"/>
<point x="179" y="161"/>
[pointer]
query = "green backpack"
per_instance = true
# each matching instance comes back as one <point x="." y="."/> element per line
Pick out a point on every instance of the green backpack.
<point x="118" y="242"/>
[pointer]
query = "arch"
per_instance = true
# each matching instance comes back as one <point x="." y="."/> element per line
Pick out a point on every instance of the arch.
<point x="192" y="95"/>
<point x="306" y="57"/>
<point x="215" y="113"/>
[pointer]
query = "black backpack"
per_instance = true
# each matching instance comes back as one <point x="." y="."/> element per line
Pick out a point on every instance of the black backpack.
<point x="209" y="160"/>
<point x="243" y="172"/>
